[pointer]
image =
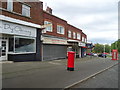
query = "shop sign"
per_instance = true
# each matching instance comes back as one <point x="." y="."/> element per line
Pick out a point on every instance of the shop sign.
<point x="82" y="44"/>
<point x="16" y="29"/>
<point x="54" y="40"/>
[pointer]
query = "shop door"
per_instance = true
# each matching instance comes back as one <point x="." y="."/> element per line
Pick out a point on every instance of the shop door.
<point x="3" y="50"/>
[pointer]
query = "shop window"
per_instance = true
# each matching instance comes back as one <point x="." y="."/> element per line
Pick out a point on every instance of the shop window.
<point x="74" y="35"/>
<point x="69" y="34"/>
<point x="21" y="44"/>
<point x="11" y="44"/>
<point x="60" y="29"/>
<point x="10" y="5"/>
<point x="26" y="10"/>
<point x="49" y="27"/>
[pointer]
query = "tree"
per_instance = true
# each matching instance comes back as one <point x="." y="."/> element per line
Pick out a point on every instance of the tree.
<point x="99" y="48"/>
<point x="116" y="45"/>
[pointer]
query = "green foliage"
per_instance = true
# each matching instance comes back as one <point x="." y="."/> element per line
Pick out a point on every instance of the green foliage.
<point x="99" y="48"/>
<point x="116" y="45"/>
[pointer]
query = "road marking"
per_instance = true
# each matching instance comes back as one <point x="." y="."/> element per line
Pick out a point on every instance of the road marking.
<point x="1" y="62"/>
<point x="57" y="60"/>
<point x="93" y="75"/>
<point x="54" y="63"/>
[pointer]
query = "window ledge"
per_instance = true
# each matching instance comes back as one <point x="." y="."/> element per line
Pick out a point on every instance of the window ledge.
<point x="21" y="53"/>
<point x="60" y="33"/>
<point x="14" y="13"/>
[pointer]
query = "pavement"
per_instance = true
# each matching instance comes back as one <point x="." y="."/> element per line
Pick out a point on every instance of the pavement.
<point x="51" y="74"/>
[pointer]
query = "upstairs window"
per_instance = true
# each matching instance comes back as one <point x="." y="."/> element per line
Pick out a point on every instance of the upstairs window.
<point x="49" y="27"/>
<point x="74" y="35"/>
<point x="60" y="29"/>
<point x="69" y="34"/>
<point x="25" y="10"/>
<point x="10" y="5"/>
<point x="78" y="36"/>
<point x="83" y="39"/>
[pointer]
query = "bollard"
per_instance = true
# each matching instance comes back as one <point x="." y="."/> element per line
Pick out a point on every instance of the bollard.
<point x="114" y="54"/>
<point x="70" y="64"/>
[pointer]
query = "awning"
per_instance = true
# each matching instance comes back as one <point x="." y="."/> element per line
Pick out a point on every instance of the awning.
<point x="74" y="41"/>
<point x="84" y="47"/>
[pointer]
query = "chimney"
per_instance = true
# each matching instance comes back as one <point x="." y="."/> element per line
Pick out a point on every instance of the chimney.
<point x="49" y="10"/>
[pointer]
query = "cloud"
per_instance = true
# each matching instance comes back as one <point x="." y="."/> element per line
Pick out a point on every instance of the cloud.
<point x="97" y="18"/>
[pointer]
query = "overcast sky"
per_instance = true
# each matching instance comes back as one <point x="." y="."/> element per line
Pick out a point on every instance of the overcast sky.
<point x="97" y="18"/>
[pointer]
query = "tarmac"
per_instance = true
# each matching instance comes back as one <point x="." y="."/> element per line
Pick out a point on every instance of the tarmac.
<point x="51" y="74"/>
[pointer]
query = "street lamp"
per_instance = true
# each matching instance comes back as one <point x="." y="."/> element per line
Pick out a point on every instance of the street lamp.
<point x="104" y="50"/>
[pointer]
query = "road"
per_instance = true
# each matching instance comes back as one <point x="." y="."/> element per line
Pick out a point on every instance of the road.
<point x="106" y="79"/>
<point x="50" y="74"/>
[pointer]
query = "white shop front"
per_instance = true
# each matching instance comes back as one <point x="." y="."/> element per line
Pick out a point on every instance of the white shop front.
<point x="17" y="38"/>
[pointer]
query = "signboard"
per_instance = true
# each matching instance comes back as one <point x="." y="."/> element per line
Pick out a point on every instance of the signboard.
<point x="82" y="44"/>
<point x="54" y="41"/>
<point x="16" y="29"/>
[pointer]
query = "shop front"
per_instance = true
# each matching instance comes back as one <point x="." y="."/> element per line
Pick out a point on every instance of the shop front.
<point x="54" y="48"/>
<point x="74" y="46"/>
<point x="17" y="40"/>
<point x="83" y="49"/>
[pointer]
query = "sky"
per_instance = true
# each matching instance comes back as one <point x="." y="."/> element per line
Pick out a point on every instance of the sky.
<point x="96" y="18"/>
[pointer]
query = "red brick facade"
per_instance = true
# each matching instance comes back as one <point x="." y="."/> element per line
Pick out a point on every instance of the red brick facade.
<point x="38" y="16"/>
<point x="76" y="30"/>
<point x="36" y="11"/>
<point x="55" y="21"/>
<point x="58" y="21"/>
<point x="84" y="35"/>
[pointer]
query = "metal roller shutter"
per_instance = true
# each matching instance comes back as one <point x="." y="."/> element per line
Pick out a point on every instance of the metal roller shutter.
<point x="51" y="52"/>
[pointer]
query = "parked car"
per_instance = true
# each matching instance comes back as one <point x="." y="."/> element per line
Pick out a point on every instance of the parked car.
<point x="102" y="55"/>
<point x="95" y="54"/>
<point x="90" y="54"/>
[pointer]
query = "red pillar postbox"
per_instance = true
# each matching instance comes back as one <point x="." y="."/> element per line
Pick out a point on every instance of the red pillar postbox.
<point x="70" y="64"/>
<point x="114" y="54"/>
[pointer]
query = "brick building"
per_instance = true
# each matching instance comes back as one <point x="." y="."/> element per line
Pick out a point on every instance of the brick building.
<point x="60" y="37"/>
<point x="21" y="38"/>
<point x="54" y="37"/>
<point x="74" y="39"/>
<point x="20" y="24"/>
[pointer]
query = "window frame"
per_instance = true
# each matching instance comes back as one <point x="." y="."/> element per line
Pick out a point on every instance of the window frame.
<point x="69" y="34"/>
<point x="78" y="36"/>
<point x="10" y="5"/>
<point x="60" y="31"/>
<point x="14" y="51"/>
<point x="83" y="39"/>
<point x="26" y="10"/>
<point x="48" y="26"/>
<point x="74" y="35"/>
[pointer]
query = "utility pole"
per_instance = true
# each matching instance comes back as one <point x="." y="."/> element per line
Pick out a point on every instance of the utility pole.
<point x="104" y="50"/>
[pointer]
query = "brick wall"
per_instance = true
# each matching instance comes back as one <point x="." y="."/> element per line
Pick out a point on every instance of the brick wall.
<point x="55" y="21"/>
<point x="74" y="29"/>
<point x="84" y="35"/>
<point x="36" y="11"/>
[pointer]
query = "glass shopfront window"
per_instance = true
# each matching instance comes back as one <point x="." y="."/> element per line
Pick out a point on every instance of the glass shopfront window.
<point x="18" y="44"/>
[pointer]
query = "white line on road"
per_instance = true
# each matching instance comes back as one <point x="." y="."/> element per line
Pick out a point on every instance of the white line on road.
<point x="54" y="63"/>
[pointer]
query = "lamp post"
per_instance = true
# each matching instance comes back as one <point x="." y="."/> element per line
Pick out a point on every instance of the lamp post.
<point x="104" y="50"/>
